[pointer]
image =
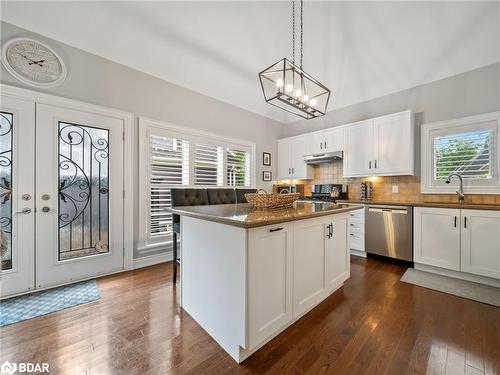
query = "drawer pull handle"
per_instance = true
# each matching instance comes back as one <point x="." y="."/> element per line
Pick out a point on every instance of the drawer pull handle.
<point x="275" y="229"/>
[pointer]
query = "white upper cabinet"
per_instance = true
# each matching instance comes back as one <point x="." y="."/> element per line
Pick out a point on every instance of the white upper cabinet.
<point x="383" y="146"/>
<point x="329" y="140"/>
<point x="481" y="243"/>
<point x="359" y="149"/>
<point x="393" y="144"/>
<point x="291" y="162"/>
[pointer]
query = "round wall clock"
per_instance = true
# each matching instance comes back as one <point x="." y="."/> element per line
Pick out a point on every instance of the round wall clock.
<point x="33" y="62"/>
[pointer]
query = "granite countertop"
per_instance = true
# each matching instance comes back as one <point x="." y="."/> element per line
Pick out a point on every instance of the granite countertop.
<point x="471" y="206"/>
<point x="245" y="216"/>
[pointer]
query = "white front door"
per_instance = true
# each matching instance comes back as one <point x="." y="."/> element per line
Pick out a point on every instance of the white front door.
<point x="79" y="195"/>
<point x="17" y="206"/>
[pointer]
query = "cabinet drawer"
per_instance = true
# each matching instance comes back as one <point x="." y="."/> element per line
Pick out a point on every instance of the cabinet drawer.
<point x="357" y="241"/>
<point x="356" y="226"/>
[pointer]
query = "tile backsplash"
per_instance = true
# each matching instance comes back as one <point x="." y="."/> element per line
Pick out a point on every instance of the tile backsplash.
<point x="408" y="187"/>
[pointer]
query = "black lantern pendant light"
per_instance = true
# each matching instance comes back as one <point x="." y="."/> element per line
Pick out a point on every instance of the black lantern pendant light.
<point x="289" y="87"/>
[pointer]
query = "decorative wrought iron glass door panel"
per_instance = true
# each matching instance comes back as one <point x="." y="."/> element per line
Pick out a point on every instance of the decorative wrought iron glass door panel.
<point x="83" y="191"/>
<point x="6" y="132"/>
<point x="17" y="144"/>
<point x="79" y="180"/>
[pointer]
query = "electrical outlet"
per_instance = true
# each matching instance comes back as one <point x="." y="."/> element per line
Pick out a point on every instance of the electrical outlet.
<point x="395" y="189"/>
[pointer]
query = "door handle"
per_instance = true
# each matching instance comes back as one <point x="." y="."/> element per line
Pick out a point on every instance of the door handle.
<point x="276" y="229"/>
<point x="25" y="210"/>
<point x="325" y="145"/>
<point x="455" y="222"/>
<point x="321" y="145"/>
<point x="370" y="164"/>
<point x="465" y="221"/>
<point x="45" y="209"/>
<point x="375" y="163"/>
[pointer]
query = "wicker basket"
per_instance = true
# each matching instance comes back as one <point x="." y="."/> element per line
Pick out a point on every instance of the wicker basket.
<point x="272" y="200"/>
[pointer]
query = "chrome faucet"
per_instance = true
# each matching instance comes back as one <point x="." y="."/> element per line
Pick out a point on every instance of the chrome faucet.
<point x="460" y="192"/>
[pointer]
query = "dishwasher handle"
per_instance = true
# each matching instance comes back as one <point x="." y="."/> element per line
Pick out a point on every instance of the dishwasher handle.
<point x="388" y="210"/>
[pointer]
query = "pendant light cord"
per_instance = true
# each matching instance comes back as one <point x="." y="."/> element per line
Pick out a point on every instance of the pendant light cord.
<point x="301" y="32"/>
<point x="293" y="31"/>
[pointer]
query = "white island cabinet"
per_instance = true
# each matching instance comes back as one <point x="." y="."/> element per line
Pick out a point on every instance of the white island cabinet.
<point x="244" y="280"/>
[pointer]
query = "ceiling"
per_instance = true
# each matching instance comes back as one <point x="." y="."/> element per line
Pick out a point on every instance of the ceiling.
<point x="360" y="50"/>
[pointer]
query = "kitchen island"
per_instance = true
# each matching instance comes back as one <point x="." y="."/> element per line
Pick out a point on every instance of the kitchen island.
<point x="247" y="274"/>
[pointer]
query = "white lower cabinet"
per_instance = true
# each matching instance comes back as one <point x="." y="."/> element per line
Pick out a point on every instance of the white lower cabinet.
<point x="480" y="243"/>
<point x="357" y="232"/>
<point x="458" y="239"/>
<point x="291" y="267"/>
<point x="437" y="237"/>
<point x="320" y="260"/>
<point x="269" y="281"/>
<point x="308" y="264"/>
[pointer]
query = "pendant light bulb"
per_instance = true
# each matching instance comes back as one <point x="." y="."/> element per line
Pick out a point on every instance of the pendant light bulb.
<point x="279" y="83"/>
<point x="289" y="88"/>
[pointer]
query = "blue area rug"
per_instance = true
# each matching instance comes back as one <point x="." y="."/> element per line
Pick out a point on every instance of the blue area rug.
<point x="29" y="306"/>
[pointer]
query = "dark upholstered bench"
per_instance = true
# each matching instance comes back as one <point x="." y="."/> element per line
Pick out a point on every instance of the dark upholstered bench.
<point x="199" y="197"/>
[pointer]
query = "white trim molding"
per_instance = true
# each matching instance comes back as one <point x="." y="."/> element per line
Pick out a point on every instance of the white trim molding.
<point x="490" y="121"/>
<point x="128" y="159"/>
<point x="151" y="260"/>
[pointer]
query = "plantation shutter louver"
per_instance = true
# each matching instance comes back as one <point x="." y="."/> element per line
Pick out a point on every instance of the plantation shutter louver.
<point x="169" y="165"/>
<point x="468" y="153"/>
<point x="237" y="167"/>
<point x="208" y="165"/>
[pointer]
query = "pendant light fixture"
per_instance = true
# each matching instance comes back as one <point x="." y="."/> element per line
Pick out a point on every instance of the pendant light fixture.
<point x="287" y="86"/>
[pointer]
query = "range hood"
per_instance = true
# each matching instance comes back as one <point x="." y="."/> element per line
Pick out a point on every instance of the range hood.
<point x="323" y="158"/>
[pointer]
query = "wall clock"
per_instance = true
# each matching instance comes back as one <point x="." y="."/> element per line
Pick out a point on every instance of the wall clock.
<point x="33" y="62"/>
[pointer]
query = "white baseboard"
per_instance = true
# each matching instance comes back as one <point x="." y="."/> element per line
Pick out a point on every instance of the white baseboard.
<point x="458" y="275"/>
<point x="358" y="253"/>
<point x="152" y="259"/>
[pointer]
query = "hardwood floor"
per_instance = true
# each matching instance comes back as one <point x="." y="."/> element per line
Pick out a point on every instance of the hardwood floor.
<point x="373" y="325"/>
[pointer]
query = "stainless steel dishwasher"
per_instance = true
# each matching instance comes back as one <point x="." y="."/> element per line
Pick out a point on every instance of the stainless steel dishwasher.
<point x="389" y="231"/>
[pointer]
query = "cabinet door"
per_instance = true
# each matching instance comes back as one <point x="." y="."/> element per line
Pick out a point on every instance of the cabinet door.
<point x="269" y="281"/>
<point x="317" y="143"/>
<point x="298" y="148"/>
<point x="284" y="163"/>
<point x="437" y="237"/>
<point x="480" y="252"/>
<point x="359" y="149"/>
<point x="334" y="139"/>
<point x="308" y="264"/>
<point x="337" y="262"/>
<point x="393" y="145"/>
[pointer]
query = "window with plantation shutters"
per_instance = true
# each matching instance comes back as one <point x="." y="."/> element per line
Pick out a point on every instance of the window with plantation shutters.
<point x="172" y="156"/>
<point x="467" y="146"/>
<point x="208" y="165"/>
<point x="169" y="166"/>
<point x="237" y="167"/>
<point x="467" y="153"/>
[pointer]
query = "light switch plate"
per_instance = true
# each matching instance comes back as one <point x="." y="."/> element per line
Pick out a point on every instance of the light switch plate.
<point x="395" y="189"/>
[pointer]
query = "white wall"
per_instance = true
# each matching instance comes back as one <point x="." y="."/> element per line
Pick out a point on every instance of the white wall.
<point x="99" y="81"/>
<point x="466" y="94"/>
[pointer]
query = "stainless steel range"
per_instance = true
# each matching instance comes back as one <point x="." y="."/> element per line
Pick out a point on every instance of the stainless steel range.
<point x="327" y="193"/>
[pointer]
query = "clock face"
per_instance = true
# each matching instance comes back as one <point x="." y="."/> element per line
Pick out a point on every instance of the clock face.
<point x="33" y="62"/>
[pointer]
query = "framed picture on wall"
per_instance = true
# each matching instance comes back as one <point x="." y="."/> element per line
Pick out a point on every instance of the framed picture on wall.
<point x="266" y="159"/>
<point x="267" y="176"/>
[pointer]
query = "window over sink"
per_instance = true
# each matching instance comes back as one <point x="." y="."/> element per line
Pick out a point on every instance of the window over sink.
<point x="467" y="146"/>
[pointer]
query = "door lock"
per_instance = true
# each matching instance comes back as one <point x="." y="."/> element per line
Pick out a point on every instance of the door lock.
<point x="26" y="197"/>
<point x="45" y="197"/>
<point x="45" y="209"/>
